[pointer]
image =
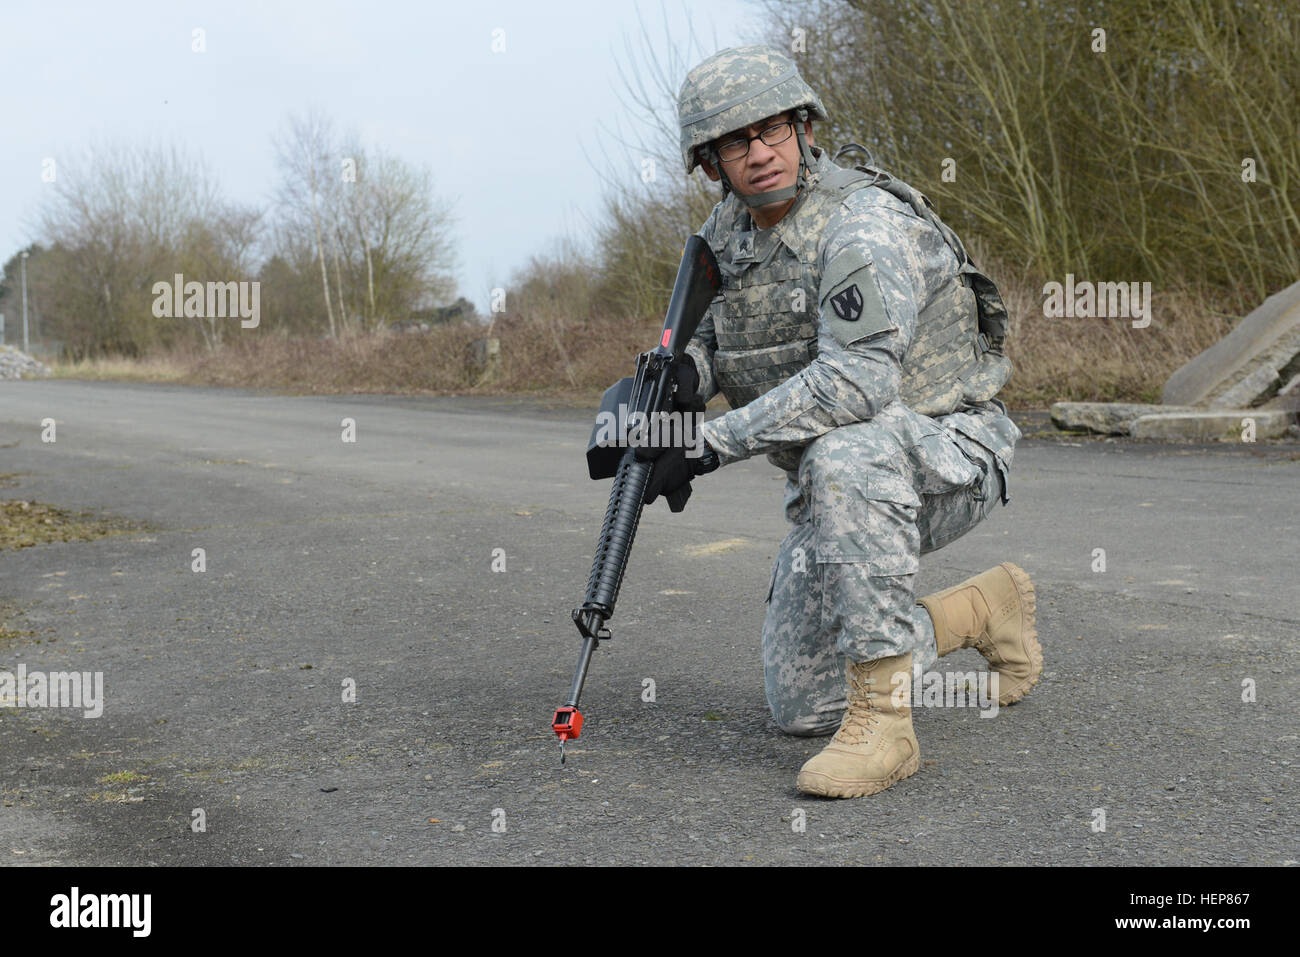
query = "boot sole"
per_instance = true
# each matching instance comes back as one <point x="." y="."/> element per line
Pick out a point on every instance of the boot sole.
<point x="1025" y="593"/>
<point x="817" y="783"/>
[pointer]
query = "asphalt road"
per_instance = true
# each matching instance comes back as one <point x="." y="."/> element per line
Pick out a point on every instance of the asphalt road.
<point x="371" y="563"/>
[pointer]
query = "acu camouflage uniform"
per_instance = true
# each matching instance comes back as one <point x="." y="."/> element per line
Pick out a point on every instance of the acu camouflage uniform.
<point x="845" y="340"/>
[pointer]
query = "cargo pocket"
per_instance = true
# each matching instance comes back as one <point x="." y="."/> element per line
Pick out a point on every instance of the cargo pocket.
<point x="940" y="466"/>
<point x="993" y="432"/>
<point x="858" y="480"/>
<point x="946" y="518"/>
<point x="878" y="529"/>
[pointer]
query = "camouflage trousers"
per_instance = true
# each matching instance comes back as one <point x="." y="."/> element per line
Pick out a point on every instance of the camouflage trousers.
<point x="865" y="502"/>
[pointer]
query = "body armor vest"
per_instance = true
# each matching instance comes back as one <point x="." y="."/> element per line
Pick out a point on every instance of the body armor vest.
<point x="766" y="324"/>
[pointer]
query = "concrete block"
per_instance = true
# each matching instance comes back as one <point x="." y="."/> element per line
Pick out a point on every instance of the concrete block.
<point x="1211" y="426"/>
<point x="1249" y="364"/>
<point x="1108" y="418"/>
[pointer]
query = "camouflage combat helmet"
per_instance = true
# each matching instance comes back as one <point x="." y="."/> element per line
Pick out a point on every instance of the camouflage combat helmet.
<point x="736" y="88"/>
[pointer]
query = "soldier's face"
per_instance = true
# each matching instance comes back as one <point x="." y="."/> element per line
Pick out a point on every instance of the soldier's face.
<point x="764" y="168"/>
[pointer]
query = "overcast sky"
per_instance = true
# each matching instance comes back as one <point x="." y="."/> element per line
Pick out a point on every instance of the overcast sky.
<point x="516" y="136"/>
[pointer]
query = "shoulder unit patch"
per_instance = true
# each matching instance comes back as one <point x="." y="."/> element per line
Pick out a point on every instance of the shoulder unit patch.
<point x="848" y="304"/>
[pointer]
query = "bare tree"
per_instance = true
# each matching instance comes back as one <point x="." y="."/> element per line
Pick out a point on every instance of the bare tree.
<point x="398" y="237"/>
<point x="220" y="247"/>
<point x="119" y="219"/>
<point x="1152" y="138"/>
<point x="304" y="152"/>
<point x="370" y="218"/>
<point x="649" y="205"/>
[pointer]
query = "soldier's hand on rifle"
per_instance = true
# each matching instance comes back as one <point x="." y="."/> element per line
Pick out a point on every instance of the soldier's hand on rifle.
<point x="687" y="398"/>
<point x="667" y="447"/>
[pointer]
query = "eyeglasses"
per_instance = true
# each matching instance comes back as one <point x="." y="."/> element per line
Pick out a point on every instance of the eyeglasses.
<point x="774" y="135"/>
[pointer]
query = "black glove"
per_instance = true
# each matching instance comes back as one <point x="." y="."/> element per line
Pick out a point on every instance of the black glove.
<point x="687" y="398"/>
<point x="673" y="468"/>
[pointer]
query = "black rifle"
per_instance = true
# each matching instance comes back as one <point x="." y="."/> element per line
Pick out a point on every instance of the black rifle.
<point x="640" y="399"/>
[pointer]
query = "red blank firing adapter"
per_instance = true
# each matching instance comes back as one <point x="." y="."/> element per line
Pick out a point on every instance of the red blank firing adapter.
<point x="568" y="723"/>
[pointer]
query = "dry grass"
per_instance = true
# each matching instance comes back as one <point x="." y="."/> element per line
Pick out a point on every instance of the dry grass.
<point x="553" y="358"/>
<point x="1104" y="360"/>
<point x="379" y="363"/>
<point x="163" y="367"/>
<point x="545" y="354"/>
<point x="537" y="356"/>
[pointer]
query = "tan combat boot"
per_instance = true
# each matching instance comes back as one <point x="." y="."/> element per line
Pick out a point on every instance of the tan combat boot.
<point x="993" y="613"/>
<point x="875" y="745"/>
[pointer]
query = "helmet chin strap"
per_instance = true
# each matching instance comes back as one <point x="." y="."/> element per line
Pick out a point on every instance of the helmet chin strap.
<point x="806" y="161"/>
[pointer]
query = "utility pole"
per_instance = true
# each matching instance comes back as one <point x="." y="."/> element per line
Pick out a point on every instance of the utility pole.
<point x="24" y="261"/>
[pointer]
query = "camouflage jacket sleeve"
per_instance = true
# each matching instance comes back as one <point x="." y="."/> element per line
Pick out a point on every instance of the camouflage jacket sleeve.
<point x="878" y="266"/>
<point x="701" y="348"/>
<point x="705" y="341"/>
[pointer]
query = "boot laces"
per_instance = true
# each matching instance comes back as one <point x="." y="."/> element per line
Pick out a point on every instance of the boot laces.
<point x="987" y="647"/>
<point x="860" y="720"/>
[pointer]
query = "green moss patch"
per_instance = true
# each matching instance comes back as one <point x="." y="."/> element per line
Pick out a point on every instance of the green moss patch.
<point x="23" y="524"/>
